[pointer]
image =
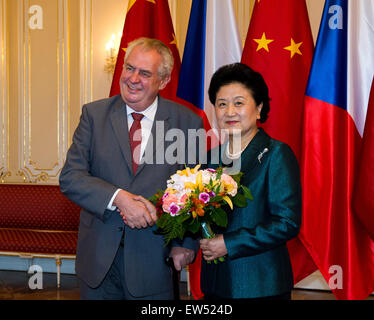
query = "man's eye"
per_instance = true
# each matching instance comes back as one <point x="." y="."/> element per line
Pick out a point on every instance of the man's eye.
<point x="145" y="74"/>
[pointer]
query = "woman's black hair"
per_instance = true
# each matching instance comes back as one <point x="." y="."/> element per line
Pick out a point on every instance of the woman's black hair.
<point x="252" y="80"/>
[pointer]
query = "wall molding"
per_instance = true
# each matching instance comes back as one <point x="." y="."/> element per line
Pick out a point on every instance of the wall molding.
<point x="4" y="88"/>
<point x="86" y="52"/>
<point x="29" y="170"/>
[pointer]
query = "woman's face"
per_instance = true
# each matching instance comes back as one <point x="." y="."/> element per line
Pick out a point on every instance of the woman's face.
<point x="236" y="110"/>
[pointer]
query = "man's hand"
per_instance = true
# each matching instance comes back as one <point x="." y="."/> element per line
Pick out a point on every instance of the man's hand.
<point x="150" y="207"/>
<point x="133" y="211"/>
<point x="181" y="257"/>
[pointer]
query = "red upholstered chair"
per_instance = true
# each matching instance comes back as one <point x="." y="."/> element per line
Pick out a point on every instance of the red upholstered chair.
<point x="38" y="221"/>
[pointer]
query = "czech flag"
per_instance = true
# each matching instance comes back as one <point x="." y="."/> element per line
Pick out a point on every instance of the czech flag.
<point x="212" y="41"/>
<point x="336" y="104"/>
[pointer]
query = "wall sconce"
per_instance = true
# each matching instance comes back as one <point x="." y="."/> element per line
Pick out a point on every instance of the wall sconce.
<point x="111" y="55"/>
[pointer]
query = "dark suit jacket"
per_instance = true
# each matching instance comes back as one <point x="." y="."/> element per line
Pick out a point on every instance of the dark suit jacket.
<point x="258" y="264"/>
<point x="98" y="162"/>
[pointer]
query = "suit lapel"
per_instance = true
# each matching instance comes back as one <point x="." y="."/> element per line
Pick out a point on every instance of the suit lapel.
<point x="118" y="118"/>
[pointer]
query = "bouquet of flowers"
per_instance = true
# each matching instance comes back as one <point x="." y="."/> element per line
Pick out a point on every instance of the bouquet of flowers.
<point x="194" y="199"/>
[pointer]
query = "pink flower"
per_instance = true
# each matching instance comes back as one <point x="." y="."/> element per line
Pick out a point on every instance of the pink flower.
<point x="204" y="197"/>
<point x="170" y="199"/>
<point x="174" y="209"/>
<point x="211" y="194"/>
<point x="229" y="185"/>
<point x="183" y="199"/>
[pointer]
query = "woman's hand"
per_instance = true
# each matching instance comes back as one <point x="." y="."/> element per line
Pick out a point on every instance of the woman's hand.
<point x="213" y="248"/>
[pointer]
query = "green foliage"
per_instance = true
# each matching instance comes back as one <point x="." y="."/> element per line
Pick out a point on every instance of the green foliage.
<point x="219" y="172"/>
<point x="193" y="226"/>
<point x="219" y="217"/>
<point x="154" y="199"/>
<point x="237" y="177"/>
<point x="247" y="193"/>
<point x="239" y="200"/>
<point x="171" y="227"/>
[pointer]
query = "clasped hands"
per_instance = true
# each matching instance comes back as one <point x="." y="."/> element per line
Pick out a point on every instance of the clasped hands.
<point x="138" y="212"/>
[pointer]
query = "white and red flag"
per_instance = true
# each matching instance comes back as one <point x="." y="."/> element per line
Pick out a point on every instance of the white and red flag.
<point x="336" y="113"/>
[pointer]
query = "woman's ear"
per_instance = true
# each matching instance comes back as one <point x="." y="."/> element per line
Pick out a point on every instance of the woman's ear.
<point x="259" y="108"/>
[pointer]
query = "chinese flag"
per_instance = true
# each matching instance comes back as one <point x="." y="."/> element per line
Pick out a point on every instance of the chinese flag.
<point x="151" y="19"/>
<point x="279" y="45"/>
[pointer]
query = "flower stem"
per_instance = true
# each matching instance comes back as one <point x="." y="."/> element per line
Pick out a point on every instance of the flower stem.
<point x="207" y="233"/>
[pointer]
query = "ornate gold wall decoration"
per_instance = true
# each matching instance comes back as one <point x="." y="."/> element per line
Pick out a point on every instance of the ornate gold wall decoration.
<point x="4" y="102"/>
<point x="86" y="51"/>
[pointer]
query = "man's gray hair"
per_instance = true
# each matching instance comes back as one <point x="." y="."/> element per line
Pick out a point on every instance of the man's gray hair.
<point x="166" y="67"/>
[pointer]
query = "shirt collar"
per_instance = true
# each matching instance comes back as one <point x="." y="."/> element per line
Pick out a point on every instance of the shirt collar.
<point x="148" y="113"/>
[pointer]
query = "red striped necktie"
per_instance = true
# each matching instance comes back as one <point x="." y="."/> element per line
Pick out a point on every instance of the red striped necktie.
<point x="135" y="135"/>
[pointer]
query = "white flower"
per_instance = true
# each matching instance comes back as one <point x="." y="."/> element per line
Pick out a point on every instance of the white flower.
<point x="177" y="182"/>
<point x="207" y="175"/>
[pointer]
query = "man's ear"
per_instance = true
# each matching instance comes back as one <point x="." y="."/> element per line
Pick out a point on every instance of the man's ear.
<point x="164" y="82"/>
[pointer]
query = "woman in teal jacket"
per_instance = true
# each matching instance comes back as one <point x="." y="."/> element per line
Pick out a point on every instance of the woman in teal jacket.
<point x="257" y="263"/>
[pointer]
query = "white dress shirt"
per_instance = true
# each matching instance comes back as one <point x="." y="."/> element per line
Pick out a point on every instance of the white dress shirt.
<point x="146" y="123"/>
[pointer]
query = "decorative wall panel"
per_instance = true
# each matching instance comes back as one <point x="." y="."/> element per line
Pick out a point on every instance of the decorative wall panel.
<point x="43" y="88"/>
<point x="86" y="51"/>
<point x="4" y="84"/>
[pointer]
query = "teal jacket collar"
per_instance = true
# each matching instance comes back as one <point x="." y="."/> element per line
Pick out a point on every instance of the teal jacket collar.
<point x="256" y="149"/>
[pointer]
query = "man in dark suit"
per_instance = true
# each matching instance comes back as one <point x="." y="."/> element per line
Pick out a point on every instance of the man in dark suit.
<point x="112" y="166"/>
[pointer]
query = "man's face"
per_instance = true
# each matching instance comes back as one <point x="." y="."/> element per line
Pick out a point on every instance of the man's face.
<point x="140" y="82"/>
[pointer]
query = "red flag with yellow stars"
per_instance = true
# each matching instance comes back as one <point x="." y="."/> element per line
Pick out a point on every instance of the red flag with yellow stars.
<point x="151" y="19"/>
<point x="279" y="45"/>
